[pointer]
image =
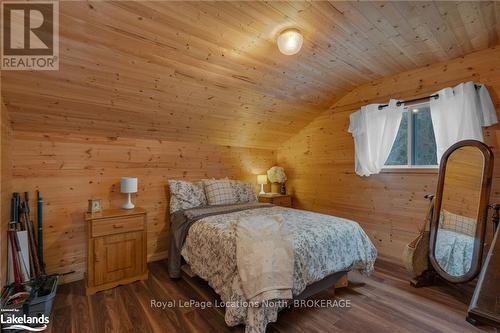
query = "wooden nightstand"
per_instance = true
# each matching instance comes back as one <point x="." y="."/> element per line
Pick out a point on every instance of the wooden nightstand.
<point x="116" y="244"/>
<point x="283" y="200"/>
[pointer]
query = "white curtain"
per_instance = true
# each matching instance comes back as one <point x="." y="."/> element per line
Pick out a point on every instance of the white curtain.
<point x="374" y="131"/>
<point x="459" y="114"/>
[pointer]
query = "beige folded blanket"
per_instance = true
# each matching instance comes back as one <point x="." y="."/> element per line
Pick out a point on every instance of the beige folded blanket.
<point x="264" y="256"/>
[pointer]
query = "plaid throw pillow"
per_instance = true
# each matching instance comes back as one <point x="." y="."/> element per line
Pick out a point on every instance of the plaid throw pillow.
<point x="219" y="192"/>
<point x="458" y="223"/>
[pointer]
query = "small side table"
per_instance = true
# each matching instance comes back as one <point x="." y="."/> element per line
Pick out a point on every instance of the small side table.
<point x="283" y="200"/>
<point x="116" y="245"/>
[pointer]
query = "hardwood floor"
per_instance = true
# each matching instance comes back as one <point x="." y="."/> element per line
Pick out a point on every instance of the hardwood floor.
<point x="383" y="302"/>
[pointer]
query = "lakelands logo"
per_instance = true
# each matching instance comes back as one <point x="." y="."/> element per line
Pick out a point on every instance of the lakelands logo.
<point x="30" y="35"/>
<point x="11" y="320"/>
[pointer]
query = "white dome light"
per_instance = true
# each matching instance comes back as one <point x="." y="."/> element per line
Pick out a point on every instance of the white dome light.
<point x="290" y="41"/>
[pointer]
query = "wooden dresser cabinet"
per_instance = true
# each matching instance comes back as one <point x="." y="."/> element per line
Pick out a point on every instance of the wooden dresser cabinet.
<point x="116" y="240"/>
<point x="277" y="199"/>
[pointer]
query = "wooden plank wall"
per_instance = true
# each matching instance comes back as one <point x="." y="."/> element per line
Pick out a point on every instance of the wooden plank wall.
<point x="70" y="169"/>
<point x="319" y="160"/>
<point x="5" y="188"/>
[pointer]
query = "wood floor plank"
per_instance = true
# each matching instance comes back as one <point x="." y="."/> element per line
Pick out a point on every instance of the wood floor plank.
<point x="60" y="321"/>
<point x="382" y="302"/>
<point x="135" y="313"/>
<point x="159" y="319"/>
<point x="82" y="321"/>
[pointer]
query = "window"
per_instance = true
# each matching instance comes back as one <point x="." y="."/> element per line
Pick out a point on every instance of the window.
<point x="415" y="144"/>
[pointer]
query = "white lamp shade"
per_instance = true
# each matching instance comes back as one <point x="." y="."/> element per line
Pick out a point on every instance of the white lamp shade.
<point x="128" y="185"/>
<point x="262" y="179"/>
<point x="290" y="41"/>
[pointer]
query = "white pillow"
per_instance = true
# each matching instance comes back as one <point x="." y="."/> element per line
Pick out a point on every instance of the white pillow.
<point x="219" y="192"/>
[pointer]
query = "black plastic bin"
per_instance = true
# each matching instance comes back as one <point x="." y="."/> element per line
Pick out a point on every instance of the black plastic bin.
<point x="39" y="303"/>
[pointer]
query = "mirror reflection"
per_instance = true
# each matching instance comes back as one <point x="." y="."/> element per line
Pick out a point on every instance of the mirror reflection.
<point x="459" y="210"/>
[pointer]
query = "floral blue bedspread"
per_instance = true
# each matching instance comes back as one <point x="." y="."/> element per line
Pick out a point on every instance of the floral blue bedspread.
<point x="454" y="251"/>
<point x="323" y="245"/>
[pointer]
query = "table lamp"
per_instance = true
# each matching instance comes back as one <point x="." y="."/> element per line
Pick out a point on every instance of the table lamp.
<point x="128" y="185"/>
<point x="261" y="180"/>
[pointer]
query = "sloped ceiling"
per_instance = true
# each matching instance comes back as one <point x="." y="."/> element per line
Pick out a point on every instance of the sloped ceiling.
<point x="211" y="71"/>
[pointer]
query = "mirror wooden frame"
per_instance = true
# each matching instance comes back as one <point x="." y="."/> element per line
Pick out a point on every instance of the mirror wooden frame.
<point x="482" y="211"/>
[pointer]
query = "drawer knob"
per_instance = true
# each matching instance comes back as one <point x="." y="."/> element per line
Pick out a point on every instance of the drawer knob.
<point x="117" y="226"/>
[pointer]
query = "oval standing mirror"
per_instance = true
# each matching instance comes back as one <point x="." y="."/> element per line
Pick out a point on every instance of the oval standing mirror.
<point x="461" y="209"/>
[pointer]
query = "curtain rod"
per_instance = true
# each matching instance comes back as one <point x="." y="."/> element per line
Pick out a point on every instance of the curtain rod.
<point x="436" y="96"/>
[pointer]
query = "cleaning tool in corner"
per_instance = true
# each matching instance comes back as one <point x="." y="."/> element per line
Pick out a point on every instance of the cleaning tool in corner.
<point x="40" y="231"/>
<point x="33" y="248"/>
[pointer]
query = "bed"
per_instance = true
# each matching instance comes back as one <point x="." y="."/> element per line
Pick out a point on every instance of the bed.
<point x="324" y="248"/>
<point x="454" y="251"/>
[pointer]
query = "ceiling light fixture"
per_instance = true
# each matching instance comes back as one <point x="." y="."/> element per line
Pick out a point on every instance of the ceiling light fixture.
<point x="290" y="41"/>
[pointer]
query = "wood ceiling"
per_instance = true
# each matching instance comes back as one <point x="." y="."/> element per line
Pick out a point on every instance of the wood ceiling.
<point x="211" y="71"/>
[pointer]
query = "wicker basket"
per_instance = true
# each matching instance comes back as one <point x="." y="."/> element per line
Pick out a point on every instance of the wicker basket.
<point x="416" y="253"/>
